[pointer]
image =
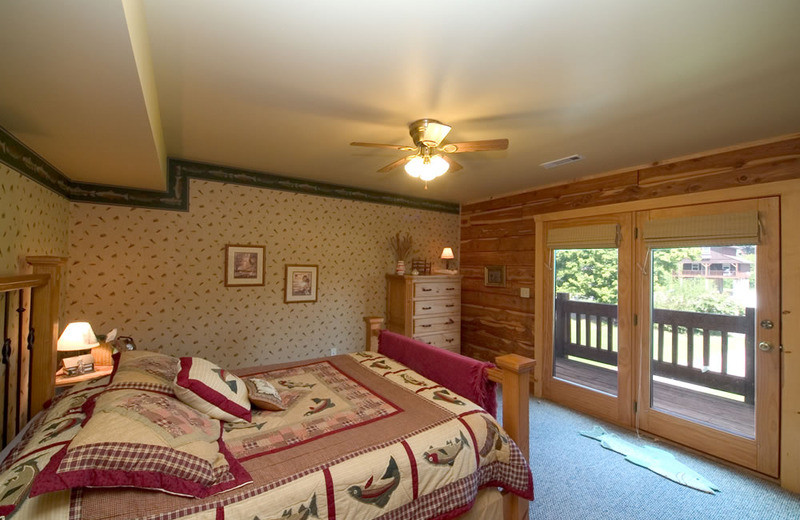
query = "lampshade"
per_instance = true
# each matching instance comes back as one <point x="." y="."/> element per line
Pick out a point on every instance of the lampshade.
<point x="447" y="254"/>
<point x="77" y="336"/>
<point x="427" y="168"/>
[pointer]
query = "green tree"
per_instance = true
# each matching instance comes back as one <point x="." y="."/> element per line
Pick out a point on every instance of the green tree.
<point x="587" y="274"/>
<point x="591" y="274"/>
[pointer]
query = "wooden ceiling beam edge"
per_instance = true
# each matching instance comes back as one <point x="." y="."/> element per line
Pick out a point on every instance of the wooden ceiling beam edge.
<point x="773" y="151"/>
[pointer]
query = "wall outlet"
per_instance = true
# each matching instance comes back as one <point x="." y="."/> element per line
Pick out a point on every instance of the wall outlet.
<point x="333" y="352"/>
<point x="524" y="292"/>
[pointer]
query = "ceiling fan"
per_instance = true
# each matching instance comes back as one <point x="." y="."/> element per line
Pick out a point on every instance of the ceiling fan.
<point x="429" y="159"/>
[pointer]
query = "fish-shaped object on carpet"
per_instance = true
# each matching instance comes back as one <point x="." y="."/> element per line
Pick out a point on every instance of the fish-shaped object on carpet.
<point x="494" y="439"/>
<point x="411" y="381"/>
<point x="446" y="454"/>
<point x="658" y="461"/>
<point x="444" y="395"/>
<point x="303" y="512"/>
<point x="378" y="493"/>
<point x="321" y="404"/>
<point x="292" y="384"/>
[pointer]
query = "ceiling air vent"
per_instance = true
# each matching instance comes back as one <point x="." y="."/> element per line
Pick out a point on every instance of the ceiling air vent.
<point x="562" y="161"/>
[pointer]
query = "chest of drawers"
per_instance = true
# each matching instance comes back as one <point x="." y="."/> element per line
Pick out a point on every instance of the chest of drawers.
<point x="427" y="308"/>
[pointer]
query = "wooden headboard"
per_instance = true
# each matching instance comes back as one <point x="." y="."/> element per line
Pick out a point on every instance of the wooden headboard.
<point x="30" y="305"/>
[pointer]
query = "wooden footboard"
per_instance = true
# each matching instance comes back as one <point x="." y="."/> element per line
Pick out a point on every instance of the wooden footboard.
<point x="513" y="373"/>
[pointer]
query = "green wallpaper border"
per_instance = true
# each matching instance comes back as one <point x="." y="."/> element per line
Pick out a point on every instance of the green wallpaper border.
<point x="16" y="155"/>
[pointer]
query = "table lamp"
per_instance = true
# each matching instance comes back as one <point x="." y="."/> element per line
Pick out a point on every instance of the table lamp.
<point x="447" y="254"/>
<point x="77" y="336"/>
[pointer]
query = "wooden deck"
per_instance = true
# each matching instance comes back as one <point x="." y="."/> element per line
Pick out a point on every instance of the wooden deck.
<point x="717" y="412"/>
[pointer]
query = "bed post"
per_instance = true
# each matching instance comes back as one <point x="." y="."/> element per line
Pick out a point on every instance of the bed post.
<point x="515" y="380"/>
<point x="45" y="323"/>
<point x="374" y="326"/>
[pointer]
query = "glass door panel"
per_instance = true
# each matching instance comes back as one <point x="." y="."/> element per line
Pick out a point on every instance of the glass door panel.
<point x="585" y="328"/>
<point x="702" y="336"/>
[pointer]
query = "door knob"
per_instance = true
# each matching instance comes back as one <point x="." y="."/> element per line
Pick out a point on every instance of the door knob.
<point x="766" y="346"/>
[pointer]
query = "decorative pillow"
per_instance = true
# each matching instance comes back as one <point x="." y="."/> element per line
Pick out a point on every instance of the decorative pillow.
<point x="263" y="395"/>
<point x="144" y="439"/>
<point x="212" y="390"/>
<point x="144" y="370"/>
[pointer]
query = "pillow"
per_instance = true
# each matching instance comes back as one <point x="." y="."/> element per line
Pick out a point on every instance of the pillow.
<point x="216" y="392"/>
<point x="263" y="395"/>
<point x="144" y="439"/>
<point x="144" y="370"/>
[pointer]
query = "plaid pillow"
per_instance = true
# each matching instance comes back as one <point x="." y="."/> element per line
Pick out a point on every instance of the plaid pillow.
<point x="143" y="439"/>
<point x="216" y="392"/>
<point x="263" y="395"/>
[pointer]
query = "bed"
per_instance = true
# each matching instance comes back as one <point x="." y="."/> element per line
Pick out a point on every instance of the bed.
<point x="361" y="436"/>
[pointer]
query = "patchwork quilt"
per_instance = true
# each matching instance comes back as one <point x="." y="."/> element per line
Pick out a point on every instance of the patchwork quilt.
<point x="361" y="437"/>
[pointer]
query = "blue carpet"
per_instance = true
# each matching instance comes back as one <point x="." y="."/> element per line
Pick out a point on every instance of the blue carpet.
<point x="575" y="479"/>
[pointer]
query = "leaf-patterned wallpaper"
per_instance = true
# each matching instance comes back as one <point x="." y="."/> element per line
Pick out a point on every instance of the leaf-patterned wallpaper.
<point x="159" y="275"/>
<point x="33" y="221"/>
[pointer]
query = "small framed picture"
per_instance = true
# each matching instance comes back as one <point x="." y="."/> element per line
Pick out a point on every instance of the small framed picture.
<point x="244" y="265"/>
<point x="494" y="276"/>
<point x="301" y="283"/>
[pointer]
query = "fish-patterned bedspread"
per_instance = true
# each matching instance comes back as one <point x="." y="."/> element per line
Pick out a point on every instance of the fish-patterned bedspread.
<point x="362" y="437"/>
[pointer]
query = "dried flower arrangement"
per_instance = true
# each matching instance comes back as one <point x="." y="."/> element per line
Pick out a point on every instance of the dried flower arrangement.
<point x="401" y="246"/>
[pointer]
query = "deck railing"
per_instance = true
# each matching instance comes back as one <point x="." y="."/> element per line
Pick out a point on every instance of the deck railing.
<point x="588" y="330"/>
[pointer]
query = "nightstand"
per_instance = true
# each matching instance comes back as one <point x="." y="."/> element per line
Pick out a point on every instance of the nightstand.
<point x="64" y="382"/>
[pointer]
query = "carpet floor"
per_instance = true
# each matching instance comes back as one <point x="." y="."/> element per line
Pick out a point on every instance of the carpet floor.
<point x="576" y="478"/>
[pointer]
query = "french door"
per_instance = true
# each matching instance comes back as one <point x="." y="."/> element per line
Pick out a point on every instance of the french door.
<point x="669" y="320"/>
<point x="589" y="269"/>
<point x="709" y="363"/>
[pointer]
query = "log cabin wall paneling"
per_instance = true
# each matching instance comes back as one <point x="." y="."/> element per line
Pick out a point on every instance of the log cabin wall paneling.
<point x="501" y="231"/>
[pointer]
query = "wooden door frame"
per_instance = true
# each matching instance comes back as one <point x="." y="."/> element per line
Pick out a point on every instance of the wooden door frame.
<point x="762" y="452"/>
<point x="789" y="193"/>
<point x="616" y="409"/>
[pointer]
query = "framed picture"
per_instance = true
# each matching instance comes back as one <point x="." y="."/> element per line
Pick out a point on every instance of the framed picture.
<point x="494" y="276"/>
<point x="244" y="265"/>
<point x="301" y="283"/>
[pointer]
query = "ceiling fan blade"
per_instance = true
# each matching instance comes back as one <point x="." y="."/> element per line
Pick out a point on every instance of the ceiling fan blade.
<point x="454" y="166"/>
<point x="398" y="162"/>
<point x="476" y="146"/>
<point x="392" y="146"/>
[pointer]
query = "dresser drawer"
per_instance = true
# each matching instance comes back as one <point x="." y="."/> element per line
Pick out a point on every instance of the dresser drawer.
<point x="437" y="324"/>
<point x="447" y="340"/>
<point x="425" y="307"/>
<point x="435" y="289"/>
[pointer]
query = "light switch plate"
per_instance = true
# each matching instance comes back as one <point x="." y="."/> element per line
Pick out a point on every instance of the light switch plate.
<point x="525" y="292"/>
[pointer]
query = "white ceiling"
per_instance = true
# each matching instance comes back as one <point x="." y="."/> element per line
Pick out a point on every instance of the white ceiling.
<point x="283" y="87"/>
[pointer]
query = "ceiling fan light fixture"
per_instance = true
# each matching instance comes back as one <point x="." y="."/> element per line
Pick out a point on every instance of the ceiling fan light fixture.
<point x="427" y="168"/>
<point x="428" y="132"/>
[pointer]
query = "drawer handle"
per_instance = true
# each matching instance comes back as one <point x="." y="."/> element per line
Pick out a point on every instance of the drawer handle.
<point x="426" y="308"/>
<point x="450" y="305"/>
<point x="450" y="340"/>
<point x="448" y="322"/>
<point x="426" y="290"/>
<point x="450" y="289"/>
<point x="425" y="326"/>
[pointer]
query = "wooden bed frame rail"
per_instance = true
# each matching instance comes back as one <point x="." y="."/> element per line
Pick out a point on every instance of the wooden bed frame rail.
<point x="513" y="373"/>
<point x="30" y="303"/>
